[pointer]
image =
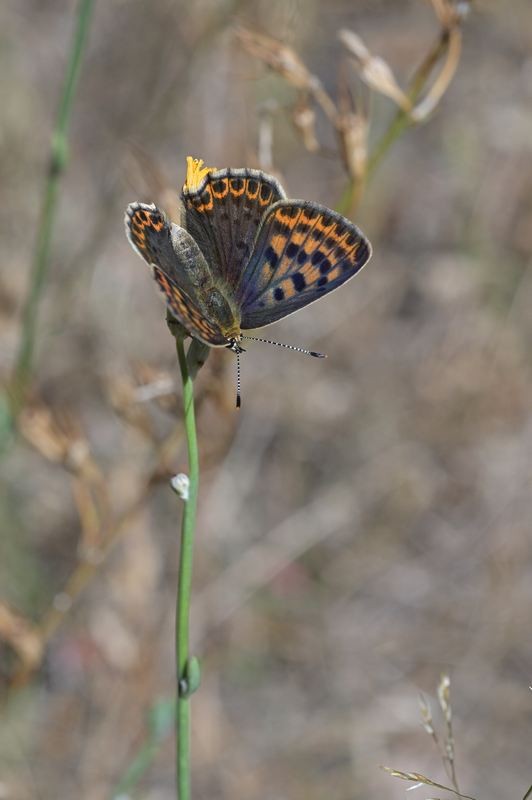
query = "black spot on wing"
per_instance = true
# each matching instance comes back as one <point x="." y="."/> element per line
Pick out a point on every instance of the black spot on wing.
<point x="282" y="228"/>
<point x="265" y="192"/>
<point x="271" y="257"/>
<point x="292" y="250"/>
<point x="299" y="281"/>
<point x="220" y="186"/>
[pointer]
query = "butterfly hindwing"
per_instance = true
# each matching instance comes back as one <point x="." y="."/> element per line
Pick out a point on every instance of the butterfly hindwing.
<point x="188" y="312"/>
<point x="223" y="215"/>
<point x="302" y="252"/>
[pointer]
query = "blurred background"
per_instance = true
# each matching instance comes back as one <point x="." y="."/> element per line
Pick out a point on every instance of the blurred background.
<point x="364" y="521"/>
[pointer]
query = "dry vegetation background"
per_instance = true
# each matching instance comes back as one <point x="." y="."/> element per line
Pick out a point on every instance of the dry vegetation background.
<point x="364" y="521"/>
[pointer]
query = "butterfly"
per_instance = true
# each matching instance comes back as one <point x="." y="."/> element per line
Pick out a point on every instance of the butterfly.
<point x="244" y="255"/>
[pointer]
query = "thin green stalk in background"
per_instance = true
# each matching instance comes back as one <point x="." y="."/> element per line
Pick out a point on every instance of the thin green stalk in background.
<point x="160" y="724"/>
<point x="58" y="161"/>
<point x="187" y="668"/>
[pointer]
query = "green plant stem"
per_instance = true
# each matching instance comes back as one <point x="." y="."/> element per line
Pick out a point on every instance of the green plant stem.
<point x="58" y="162"/>
<point x="183" y="661"/>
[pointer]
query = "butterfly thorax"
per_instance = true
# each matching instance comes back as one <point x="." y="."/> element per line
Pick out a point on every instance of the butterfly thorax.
<point x="220" y="306"/>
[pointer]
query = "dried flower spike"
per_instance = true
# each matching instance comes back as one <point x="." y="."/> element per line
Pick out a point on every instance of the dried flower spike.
<point x="373" y="70"/>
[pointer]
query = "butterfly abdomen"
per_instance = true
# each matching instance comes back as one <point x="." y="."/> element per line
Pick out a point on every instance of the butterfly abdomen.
<point x="191" y="260"/>
<point x="218" y="307"/>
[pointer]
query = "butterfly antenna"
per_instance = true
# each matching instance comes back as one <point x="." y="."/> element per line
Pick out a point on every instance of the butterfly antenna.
<point x="238" y="397"/>
<point x="288" y="346"/>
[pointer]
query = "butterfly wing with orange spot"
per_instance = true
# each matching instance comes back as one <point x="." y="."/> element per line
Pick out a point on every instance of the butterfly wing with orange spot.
<point x="149" y="232"/>
<point x="303" y="251"/>
<point x="223" y="215"/>
<point x="178" y="267"/>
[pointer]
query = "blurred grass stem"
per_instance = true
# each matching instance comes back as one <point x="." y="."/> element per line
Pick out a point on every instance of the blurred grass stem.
<point x="160" y="723"/>
<point x="58" y="162"/>
<point x="188" y="524"/>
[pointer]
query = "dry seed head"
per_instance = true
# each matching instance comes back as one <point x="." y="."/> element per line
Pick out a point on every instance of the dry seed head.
<point x="286" y="62"/>
<point x="418" y="779"/>
<point x="427" y="105"/>
<point x="279" y="57"/>
<point x="354" y="45"/>
<point x="373" y="70"/>
<point x="410" y="776"/>
<point x="444" y="696"/>
<point x="426" y="716"/>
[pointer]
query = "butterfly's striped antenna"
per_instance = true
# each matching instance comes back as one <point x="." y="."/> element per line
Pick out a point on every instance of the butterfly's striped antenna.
<point x="288" y="346"/>
<point x="238" y="397"/>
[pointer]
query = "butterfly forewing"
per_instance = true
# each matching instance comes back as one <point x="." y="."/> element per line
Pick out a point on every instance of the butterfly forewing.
<point x="223" y="215"/>
<point x="303" y="251"/>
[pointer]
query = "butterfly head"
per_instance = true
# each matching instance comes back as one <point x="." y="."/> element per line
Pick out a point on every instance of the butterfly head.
<point x="235" y="347"/>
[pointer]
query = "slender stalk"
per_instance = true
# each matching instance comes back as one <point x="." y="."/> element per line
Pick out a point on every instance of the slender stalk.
<point x="58" y="162"/>
<point x="186" y="681"/>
